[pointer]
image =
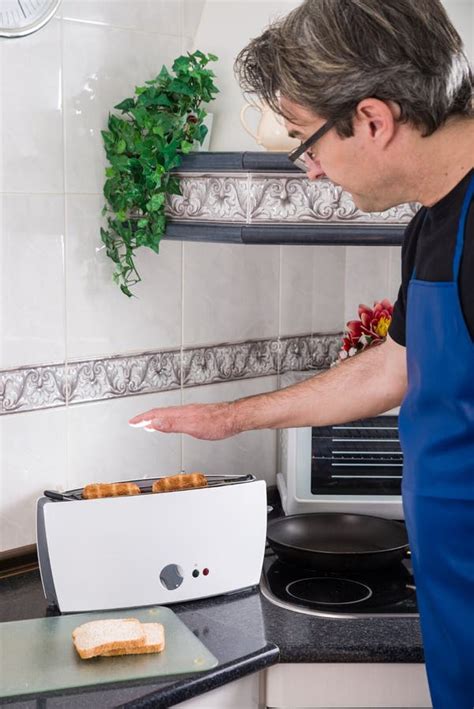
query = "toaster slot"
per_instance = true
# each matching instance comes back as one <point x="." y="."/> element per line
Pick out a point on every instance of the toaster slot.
<point x="145" y="485"/>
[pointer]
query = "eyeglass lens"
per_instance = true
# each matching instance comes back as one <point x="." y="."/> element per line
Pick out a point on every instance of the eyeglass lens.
<point x="303" y="162"/>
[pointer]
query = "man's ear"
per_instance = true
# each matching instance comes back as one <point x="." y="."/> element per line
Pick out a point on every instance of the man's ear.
<point x="377" y="118"/>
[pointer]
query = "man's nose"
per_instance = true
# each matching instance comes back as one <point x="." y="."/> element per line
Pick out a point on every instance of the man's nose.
<point x="315" y="170"/>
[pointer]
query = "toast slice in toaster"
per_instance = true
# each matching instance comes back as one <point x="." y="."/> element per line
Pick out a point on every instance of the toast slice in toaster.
<point x="95" y="490"/>
<point x="183" y="481"/>
<point x="99" y="636"/>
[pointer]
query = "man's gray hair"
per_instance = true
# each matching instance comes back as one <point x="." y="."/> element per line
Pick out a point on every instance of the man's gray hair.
<point x="328" y="55"/>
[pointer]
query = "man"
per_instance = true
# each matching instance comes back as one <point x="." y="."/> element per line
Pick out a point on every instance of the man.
<point x="380" y="94"/>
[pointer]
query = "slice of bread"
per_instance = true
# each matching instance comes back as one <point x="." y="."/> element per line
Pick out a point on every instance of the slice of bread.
<point x="99" y="636"/>
<point x="183" y="481"/>
<point x="95" y="490"/>
<point x="154" y="642"/>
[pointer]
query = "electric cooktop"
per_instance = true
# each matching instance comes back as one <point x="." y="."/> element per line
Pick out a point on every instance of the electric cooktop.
<point x="384" y="592"/>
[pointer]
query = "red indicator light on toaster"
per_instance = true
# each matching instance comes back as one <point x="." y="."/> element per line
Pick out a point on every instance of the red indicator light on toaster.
<point x="205" y="572"/>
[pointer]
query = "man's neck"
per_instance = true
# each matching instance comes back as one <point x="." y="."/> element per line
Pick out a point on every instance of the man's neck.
<point x="442" y="160"/>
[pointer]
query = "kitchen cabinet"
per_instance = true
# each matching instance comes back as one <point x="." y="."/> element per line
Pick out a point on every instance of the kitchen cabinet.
<point x="323" y="686"/>
<point x="347" y="685"/>
<point x="243" y="693"/>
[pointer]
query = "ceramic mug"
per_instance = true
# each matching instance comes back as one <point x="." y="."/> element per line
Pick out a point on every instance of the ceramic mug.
<point x="271" y="132"/>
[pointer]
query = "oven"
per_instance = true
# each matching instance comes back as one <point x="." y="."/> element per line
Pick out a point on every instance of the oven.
<point x="352" y="467"/>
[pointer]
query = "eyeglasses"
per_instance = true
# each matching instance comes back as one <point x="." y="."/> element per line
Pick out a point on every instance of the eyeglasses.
<point x="298" y="155"/>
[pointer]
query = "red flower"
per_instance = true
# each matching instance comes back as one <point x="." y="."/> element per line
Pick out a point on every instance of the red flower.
<point x="371" y="328"/>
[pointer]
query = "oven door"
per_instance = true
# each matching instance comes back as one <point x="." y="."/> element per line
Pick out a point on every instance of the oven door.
<point x="353" y="467"/>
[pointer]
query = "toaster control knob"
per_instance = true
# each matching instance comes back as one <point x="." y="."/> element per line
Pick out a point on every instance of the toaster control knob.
<point x="171" y="576"/>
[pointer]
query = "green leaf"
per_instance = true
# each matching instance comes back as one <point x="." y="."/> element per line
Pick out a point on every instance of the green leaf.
<point x="162" y="100"/>
<point x="202" y="132"/>
<point x="121" y="146"/>
<point x="179" y="87"/>
<point x="164" y="74"/>
<point x="181" y="64"/>
<point x="125" y="105"/>
<point x="156" y="202"/>
<point x="126" y="290"/>
<point x="173" y="186"/>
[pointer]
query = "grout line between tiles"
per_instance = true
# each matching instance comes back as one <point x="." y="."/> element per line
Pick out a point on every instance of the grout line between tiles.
<point x="65" y="269"/>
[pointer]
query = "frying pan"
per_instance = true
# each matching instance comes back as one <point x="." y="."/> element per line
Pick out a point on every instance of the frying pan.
<point x="335" y="541"/>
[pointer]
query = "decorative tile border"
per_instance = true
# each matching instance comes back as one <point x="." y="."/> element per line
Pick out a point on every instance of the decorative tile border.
<point x="49" y="386"/>
<point x="273" y="198"/>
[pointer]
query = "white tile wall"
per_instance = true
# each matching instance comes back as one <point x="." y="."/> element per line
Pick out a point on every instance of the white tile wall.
<point x="31" y="107"/>
<point x="312" y="289"/>
<point x="101" y="320"/>
<point x="230" y="292"/>
<point x="461" y="13"/>
<point x="367" y="277"/>
<point x="394" y="273"/>
<point x="192" y="14"/>
<point x="33" y="459"/>
<point x="162" y="17"/>
<point x="32" y="280"/>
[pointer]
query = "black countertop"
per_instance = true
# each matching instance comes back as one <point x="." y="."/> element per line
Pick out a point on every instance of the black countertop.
<point x="244" y="631"/>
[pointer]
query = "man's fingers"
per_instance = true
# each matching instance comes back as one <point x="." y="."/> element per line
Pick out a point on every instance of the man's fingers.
<point x="143" y="419"/>
<point x="140" y="424"/>
<point x="157" y="425"/>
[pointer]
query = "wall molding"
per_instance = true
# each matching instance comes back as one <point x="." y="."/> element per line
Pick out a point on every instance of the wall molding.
<point x="273" y="198"/>
<point x="55" y="385"/>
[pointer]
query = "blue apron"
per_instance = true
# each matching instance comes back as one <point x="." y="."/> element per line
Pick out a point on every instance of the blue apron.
<point x="437" y="434"/>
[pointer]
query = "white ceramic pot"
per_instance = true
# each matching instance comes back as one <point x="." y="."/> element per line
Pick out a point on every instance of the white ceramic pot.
<point x="271" y="132"/>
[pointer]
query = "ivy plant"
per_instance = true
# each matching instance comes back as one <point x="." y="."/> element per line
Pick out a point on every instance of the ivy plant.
<point x="157" y="126"/>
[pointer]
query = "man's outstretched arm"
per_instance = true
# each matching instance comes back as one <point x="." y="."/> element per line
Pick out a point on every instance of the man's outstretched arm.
<point x="365" y="385"/>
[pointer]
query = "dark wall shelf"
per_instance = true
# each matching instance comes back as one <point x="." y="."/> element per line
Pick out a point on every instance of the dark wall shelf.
<point x="220" y="205"/>
<point x="296" y="235"/>
<point x="261" y="161"/>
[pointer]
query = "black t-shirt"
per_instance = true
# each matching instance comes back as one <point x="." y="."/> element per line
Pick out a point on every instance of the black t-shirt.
<point x="429" y="246"/>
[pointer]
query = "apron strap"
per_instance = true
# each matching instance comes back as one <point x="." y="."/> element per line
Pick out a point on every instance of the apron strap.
<point x="461" y="228"/>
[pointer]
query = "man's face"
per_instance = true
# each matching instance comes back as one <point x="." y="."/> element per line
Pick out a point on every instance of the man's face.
<point x="360" y="164"/>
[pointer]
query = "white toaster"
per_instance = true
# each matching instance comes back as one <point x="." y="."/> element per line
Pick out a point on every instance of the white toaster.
<point x="152" y="548"/>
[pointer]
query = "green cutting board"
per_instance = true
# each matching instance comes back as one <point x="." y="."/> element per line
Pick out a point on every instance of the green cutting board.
<point x="39" y="655"/>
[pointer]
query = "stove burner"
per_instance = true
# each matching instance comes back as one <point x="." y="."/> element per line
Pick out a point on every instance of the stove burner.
<point x="329" y="591"/>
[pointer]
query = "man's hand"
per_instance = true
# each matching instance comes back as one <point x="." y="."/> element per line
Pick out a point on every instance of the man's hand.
<point x="209" y="422"/>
